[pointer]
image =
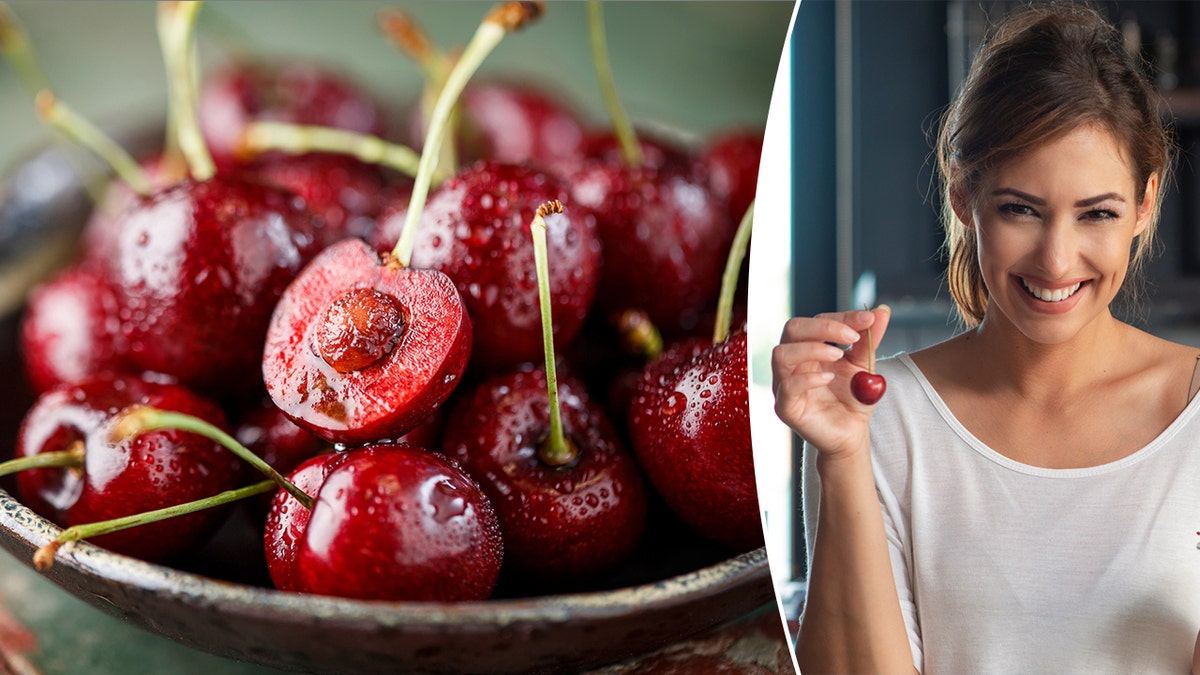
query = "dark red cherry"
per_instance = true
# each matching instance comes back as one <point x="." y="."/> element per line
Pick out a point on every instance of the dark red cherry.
<point x="361" y="349"/>
<point x="690" y="428"/>
<point x="296" y="92"/>
<point x="344" y="192"/>
<point x="732" y="159"/>
<point x="390" y="522"/>
<point x="69" y="330"/>
<point x="123" y="477"/>
<point x="562" y="524"/>
<point x="475" y="228"/>
<point x="868" y="387"/>
<point x="665" y="240"/>
<point x="197" y="270"/>
<point x="513" y="123"/>
<point x="267" y="432"/>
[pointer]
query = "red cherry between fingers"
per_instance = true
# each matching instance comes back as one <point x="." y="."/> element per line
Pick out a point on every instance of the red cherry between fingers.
<point x="867" y="385"/>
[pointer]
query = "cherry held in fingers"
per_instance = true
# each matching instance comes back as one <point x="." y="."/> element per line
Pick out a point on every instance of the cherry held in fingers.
<point x="867" y="385"/>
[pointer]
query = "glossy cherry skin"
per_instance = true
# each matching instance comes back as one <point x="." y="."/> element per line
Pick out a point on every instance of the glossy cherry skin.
<point x="197" y="270"/>
<point x="69" y="330"/>
<point x="514" y="123"/>
<point x="344" y="192"/>
<point x="287" y="91"/>
<point x="475" y="229"/>
<point x="690" y="428"/>
<point x="149" y="471"/>
<point x="867" y="387"/>
<point x="267" y="432"/>
<point x="562" y="524"/>
<point x="665" y="239"/>
<point x="732" y="159"/>
<point x="361" y="349"/>
<point x="390" y="522"/>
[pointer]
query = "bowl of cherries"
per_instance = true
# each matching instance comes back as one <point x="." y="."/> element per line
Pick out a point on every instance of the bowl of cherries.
<point x="315" y="389"/>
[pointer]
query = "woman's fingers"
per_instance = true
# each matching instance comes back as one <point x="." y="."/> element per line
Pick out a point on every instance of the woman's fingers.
<point x="821" y="328"/>
<point x="791" y="359"/>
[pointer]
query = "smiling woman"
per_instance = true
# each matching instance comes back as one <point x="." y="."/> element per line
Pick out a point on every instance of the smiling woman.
<point x="1021" y="499"/>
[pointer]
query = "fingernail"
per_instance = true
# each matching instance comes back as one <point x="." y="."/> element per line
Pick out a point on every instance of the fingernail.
<point x="850" y="336"/>
<point x="826" y="376"/>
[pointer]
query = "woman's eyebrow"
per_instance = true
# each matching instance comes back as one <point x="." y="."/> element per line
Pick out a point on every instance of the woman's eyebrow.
<point x="1037" y="201"/>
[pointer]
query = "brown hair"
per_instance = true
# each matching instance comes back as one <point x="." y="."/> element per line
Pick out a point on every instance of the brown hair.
<point x="1043" y="72"/>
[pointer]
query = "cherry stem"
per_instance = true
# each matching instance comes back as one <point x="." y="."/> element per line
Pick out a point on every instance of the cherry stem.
<point x="631" y="150"/>
<point x="639" y="335"/>
<point x="729" y="280"/>
<point x="298" y="139"/>
<point x="556" y="450"/>
<point x="176" y="24"/>
<point x="71" y="458"/>
<point x="17" y="50"/>
<point x="503" y="19"/>
<point x="404" y="32"/>
<point x="43" y="558"/>
<point x="60" y="117"/>
<point x="139" y="419"/>
<point x="870" y="348"/>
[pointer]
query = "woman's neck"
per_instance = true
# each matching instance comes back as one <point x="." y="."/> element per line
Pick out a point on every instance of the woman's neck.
<point x="1036" y="371"/>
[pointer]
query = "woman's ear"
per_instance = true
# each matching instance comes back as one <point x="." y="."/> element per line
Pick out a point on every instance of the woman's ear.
<point x="961" y="204"/>
<point x="1145" y="210"/>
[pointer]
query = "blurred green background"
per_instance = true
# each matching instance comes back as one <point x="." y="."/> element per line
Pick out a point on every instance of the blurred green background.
<point x="699" y="66"/>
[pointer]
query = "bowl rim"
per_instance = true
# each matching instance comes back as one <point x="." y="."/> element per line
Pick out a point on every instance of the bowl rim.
<point x="87" y="559"/>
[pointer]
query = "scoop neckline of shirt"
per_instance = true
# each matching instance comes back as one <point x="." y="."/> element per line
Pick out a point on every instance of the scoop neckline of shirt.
<point x="988" y="452"/>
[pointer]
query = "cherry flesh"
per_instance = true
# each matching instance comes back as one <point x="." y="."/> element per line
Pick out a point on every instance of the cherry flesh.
<point x="475" y="228"/>
<point x="690" y="428"/>
<point x="562" y="524"/>
<point x="119" y="478"/>
<point x="361" y="349"/>
<point x="390" y="522"/>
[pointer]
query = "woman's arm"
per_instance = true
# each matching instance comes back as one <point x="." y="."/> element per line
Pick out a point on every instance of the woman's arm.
<point x="852" y="620"/>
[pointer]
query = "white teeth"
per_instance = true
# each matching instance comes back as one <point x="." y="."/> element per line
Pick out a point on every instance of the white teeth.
<point x="1047" y="295"/>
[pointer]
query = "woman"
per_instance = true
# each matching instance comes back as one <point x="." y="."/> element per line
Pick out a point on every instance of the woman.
<point x="1026" y="496"/>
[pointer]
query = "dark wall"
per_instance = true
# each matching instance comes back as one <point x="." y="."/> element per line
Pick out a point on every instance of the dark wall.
<point x="900" y="88"/>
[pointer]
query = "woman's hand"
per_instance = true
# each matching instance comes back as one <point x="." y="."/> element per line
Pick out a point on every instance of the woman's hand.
<point x="811" y="377"/>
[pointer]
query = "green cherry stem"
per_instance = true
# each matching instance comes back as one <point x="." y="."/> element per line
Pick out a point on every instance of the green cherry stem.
<point x="631" y="150"/>
<point x="139" y="419"/>
<point x="404" y="32"/>
<point x="502" y="20"/>
<point x="14" y="44"/>
<point x="870" y="348"/>
<point x="639" y="335"/>
<point x="43" y="558"/>
<point x="71" y="458"/>
<point x="60" y="117"/>
<point x="556" y="450"/>
<point x="733" y="268"/>
<point x="298" y="139"/>
<point x="176" y="28"/>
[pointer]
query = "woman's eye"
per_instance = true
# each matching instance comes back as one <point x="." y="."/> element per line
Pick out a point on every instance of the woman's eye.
<point x="1101" y="214"/>
<point x="1014" y="209"/>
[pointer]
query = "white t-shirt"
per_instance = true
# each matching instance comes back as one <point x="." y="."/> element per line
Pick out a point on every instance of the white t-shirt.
<point x="1008" y="568"/>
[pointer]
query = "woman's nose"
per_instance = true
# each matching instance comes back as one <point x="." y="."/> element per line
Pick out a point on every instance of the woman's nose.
<point x="1057" y="248"/>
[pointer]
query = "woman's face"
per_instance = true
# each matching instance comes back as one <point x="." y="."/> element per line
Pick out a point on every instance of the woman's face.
<point x="1054" y="228"/>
